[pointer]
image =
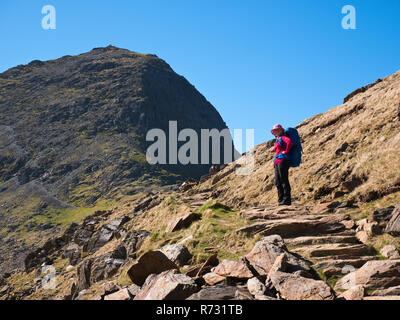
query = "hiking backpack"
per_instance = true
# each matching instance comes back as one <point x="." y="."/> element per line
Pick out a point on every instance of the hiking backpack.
<point x="294" y="155"/>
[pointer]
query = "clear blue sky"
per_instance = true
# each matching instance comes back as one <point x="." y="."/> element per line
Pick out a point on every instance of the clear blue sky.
<point x="258" y="62"/>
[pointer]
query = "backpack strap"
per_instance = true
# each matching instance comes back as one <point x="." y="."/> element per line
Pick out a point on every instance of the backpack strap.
<point x="282" y="144"/>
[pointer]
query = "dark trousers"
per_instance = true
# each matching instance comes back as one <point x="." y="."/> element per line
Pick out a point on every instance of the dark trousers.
<point x="282" y="182"/>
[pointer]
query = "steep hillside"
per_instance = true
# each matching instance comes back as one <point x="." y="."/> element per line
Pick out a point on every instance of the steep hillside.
<point x="72" y="138"/>
<point x="350" y="152"/>
<point x="225" y="238"/>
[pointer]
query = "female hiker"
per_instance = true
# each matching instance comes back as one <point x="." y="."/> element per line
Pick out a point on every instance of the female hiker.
<point x="282" y="164"/>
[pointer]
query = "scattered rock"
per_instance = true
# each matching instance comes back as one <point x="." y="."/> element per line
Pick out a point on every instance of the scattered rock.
<point x="133" y="290"/>
<point x="104" y="267"/>
<point x="212" y="278"/>
<point x="393" y="226"/>
<point x="152" y="262"/>
<point x="265" y="252"/>
<point x="105" y="234"/>
<point x="354" y="293"/>
<point x="256" y="287"/>
<point x="72" y="253"/>
<point x="83" y="274"/>
<point x="373" y="274"/>
<point x="182" y="222"/>
<point x="168" y="285"/>
<point x="133" y="240"/>
<point x="362" y="236"/>
<point x="382" y="216"/>
<point x="218" y="292"/>
<point x="372" y="228"/>
<point x="392" y="291"/>
<point x="233" y="269"/>
<point x="177" y="253"/>
<point x="187" y="185"/>
<point x="342" y="148"/>
<point x="293" y="287"/>
<point x="212" y="261"/>
<point x="390" y="252"/>
<point x="122" y="294"/>
<point x="111" y="287"/>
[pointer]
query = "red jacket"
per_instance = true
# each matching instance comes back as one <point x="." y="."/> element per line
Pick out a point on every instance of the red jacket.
<point x="279" y="149"/>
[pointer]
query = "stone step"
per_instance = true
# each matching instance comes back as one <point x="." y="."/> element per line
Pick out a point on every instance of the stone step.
<point x="326" y="239"/>
<point x="357" y="262"/>
<point x="268" y="213"/>
<point x="297" y="226"/>
<point x="334" y="249"/>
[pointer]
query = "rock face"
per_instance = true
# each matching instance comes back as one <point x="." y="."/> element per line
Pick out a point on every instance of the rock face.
<point x="373" y="274"/>
<point x="168" y="285"/>
<point x="152" y="262"/>
<point x="58" y="117"/>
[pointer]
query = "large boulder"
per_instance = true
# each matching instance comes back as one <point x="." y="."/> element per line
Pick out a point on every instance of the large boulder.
<point x="294" y="287"/>
<point x="152" y="262"/>
<point x="169" y="285"/>
<point x="374" y="274"/>
<point x="267" y="250"/>
<point x="393" y="226"/>
<point x="177" y="253"/>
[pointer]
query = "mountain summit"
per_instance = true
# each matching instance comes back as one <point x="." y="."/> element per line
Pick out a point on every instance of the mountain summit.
<point x="73" y="130"/>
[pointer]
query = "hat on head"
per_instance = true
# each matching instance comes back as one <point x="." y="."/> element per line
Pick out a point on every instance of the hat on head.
<point x="276" y="128"/>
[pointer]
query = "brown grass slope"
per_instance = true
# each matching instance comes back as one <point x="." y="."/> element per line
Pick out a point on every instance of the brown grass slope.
<point x="352" y="151"/>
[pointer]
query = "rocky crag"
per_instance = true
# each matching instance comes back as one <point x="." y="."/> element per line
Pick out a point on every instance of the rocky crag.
<point x="73" y="138"/>
<point x="221" y="238"/>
